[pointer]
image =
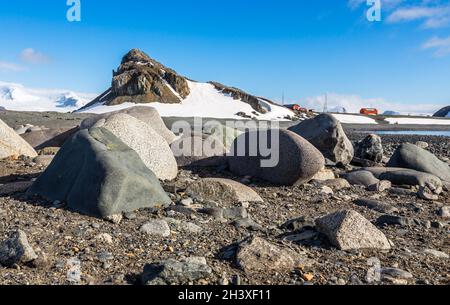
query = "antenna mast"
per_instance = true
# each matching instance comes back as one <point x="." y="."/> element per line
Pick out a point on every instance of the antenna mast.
<point x="325" y="106"/>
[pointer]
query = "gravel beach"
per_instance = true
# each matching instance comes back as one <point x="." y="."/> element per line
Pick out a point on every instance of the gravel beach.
<point x="110" y="253"/>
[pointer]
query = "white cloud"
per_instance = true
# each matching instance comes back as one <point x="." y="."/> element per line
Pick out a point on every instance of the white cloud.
<point x="354" y="103"/>
<point x="441" y="46"/>
<point x="10" y="67"/>
<point x="432" y="17"/>
<point x="32" y="56"/>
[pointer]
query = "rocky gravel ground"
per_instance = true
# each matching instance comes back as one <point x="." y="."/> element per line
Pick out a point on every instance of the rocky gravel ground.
<point x="203" y="238"/>
<point x="76" y="249"/>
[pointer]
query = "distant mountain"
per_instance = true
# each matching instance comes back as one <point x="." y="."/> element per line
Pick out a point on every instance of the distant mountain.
<point x="18" y="97"/>
<point x="142" y="80"/>
<point x="444" y="112"/>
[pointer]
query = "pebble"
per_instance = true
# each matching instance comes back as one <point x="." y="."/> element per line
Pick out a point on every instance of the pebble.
<point x="444" y="212"/>
<point x="105" y="256"/>
<point x="326" y="190"/>
<point x="115" y="219"/>
<point x="105" y="238"/>
<point x="156" y="227"/>
<point x="130" y="215"/>
<point x="73" y="274"/>
<point x="436" y="253"/>
<point x="395" y="273"/>
<point x="187" y="202"/>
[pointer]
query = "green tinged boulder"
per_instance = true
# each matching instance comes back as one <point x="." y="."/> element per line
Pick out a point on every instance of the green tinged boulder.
<point x="96" y="174"/>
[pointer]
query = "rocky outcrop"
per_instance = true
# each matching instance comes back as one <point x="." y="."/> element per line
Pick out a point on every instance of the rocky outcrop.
<point x="96" y="174"/>
<point x="141" y="79"/>
<point x="325" y="132"/>
<point x="238" y="94"/>
<point x="442" y="113"/>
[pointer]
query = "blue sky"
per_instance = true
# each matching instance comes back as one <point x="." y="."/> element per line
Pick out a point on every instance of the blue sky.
<point x="304" y="48"/>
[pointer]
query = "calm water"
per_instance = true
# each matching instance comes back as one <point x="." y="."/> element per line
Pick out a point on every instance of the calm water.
<point x="415" y="132"/>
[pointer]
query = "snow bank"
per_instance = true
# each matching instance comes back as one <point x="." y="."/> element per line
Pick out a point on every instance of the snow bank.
<point x="418" y="121"/>
<point x="354" y="119"/>
<point x="204" y="101"/>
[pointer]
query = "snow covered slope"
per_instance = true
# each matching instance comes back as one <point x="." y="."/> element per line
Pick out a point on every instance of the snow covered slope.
<point x="206" y="101"/>
<point x="17" y="97"/>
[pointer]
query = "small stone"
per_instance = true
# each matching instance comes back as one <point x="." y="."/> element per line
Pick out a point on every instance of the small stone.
<point x="421" y="144"/>
<point x="16" y="250"/>
<point x="73" y="274"/>
<point x="325" y="190"/>
<point x="235" y="213"/>
<point x="57" y="204"/>
<point x="376" y="205"/>
<point x="129" y="215"/>
<point x="395" y="273"/>
<point x="172" y="272"/>
<point x="436" y="253"/>
<point x="308" y="277"/>
<point x="247" y="223"/>
<point x="156" y="227"/>
<point x="187" y="202"/>
<point x="115" y="219"/>
<point x="192" y="228"/>
<point x="105" y="256"/>
<point x="255" y="254"/>
<point x="324" y="175"/>
<point x="425" y="194"/>
<point x="444" y="212"/>
<point x="105" y="238"/>
<point x="381" y="186"/>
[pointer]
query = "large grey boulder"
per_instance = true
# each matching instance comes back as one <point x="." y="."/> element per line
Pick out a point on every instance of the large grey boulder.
<point x="325" y="132"/>
<point x="218" y="189"/>
<point x="413" y="157"/>
<point x="199" y="150"/>
<point x="348" y="230"/>
<point x="148" y="115"/>
<point x="51" y="137"/>
<point x="370" y="148"/>
<point x="404" y="176"/>
<point x="11" y="144"/>
<point x="149" y="145"/>
<point x="225" y="134"/>
<point x="278" y="156"/>
<point x="98" y="175"/>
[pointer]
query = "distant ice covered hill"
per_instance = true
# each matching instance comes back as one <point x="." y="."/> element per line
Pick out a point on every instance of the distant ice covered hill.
<point x="20" y="98"/>
<point x="141" y="80"/>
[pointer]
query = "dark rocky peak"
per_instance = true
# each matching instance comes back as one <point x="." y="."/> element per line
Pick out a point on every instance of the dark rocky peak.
<point x="238" y="94"/>
<point x="141" y="79"/>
